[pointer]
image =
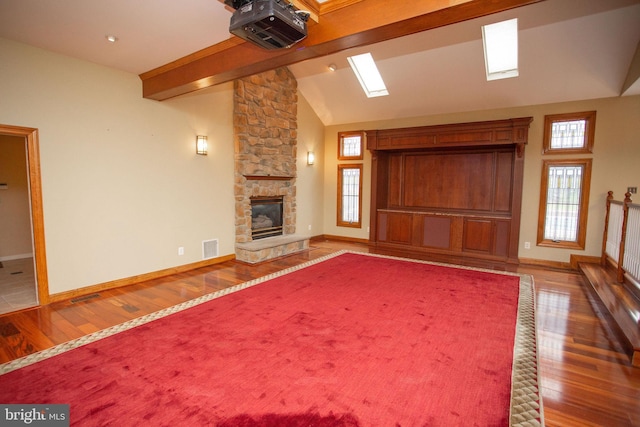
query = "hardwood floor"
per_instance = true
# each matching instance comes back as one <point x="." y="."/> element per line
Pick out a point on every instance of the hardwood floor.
<point x="586" y="376"/>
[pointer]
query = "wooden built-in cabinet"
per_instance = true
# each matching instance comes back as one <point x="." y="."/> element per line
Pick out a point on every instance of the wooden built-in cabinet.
<point x="451" y="189"/>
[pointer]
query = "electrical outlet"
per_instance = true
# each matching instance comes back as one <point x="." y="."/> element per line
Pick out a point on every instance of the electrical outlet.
<point x="309" y="227"/>
<point x="181" y="250"/>
<point x="527" y="245"/>
<point x="632" y="190"/>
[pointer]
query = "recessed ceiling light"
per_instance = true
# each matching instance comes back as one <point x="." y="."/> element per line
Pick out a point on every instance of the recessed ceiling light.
<point x="500" y="42"/>
<point x="111" y="39"/>
<point x="333" y="67"/>
<point x="368" y="75"/>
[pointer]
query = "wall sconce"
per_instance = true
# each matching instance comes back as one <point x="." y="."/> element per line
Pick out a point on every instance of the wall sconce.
<point x="311" y="157"/>
<point x="201" y="145"/>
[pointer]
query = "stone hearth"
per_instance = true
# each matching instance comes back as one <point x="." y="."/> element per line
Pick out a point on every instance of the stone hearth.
<point x="269" y="248"/>
<point x="265" y="109"/>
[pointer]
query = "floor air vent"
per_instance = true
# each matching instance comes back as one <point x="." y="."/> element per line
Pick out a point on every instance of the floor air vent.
<point x="209" y="248"/>
<point x="84" y="298"/>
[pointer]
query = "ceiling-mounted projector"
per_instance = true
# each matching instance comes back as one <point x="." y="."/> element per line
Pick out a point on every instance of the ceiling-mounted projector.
<point x="271" y="24"/>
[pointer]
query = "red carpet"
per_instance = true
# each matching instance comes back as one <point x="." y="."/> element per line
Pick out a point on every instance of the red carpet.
<point x="354" y="340"/>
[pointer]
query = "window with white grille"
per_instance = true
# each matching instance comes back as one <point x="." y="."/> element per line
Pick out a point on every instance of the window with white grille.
<point x="564" y="203"/>
<point x="569" y="133"/>
<point x="350" y="145"/>
<point x="350" y="195"/>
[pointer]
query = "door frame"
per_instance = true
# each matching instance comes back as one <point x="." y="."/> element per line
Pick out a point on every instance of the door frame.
<point x="37" y="217"/>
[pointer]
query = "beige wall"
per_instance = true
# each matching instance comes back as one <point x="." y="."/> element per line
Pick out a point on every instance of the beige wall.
<point x="122" y="185"/>
<point x="331" y="183"/>
<point x="615" y="166"/>
<point x="309" y="183"/>
<point x="15" y="214"/>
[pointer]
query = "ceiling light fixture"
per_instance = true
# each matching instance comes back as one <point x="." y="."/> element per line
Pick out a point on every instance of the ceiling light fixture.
<point x="500" y="41"/>
<point x="333" y="67"/>
<point x="368" y="75"/>
<point x="111" y="39"/>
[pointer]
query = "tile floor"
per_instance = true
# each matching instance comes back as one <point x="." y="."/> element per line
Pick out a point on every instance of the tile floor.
<point x="17" y="285"/>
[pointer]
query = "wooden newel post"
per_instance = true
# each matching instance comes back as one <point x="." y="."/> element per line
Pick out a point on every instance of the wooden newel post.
<point x="623" y="236"/>
<point x="603" y="257"/>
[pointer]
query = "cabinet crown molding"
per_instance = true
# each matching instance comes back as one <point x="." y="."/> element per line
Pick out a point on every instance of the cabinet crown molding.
<point x="487" y="133"/>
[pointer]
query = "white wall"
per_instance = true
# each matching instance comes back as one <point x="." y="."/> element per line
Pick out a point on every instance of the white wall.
<point x="615" y="166"/>
<point x="122" y="185"/>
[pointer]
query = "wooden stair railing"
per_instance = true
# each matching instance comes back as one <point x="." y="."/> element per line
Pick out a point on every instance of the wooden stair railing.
<point x="614" y="247"/>
<point x="617" y="287"/>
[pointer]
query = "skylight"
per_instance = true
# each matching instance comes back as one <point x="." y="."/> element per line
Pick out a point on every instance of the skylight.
<point x="501" y="49"/>
<point x="368" y="75"/>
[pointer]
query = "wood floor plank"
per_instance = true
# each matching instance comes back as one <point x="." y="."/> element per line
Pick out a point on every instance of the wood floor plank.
<point x="586" y="376"/>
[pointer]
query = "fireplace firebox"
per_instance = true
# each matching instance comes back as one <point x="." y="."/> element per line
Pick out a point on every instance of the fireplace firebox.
<point x="266" y="217"/>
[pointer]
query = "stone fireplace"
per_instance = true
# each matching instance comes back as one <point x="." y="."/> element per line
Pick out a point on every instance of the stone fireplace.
<point x="265" y="138"/>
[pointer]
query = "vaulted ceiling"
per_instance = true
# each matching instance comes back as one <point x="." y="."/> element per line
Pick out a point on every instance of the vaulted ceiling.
<point x="429" y="52"/>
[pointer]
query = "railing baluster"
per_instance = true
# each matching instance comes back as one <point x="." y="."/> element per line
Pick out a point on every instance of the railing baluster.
<point x="623" y="237"/>
<point x="632" y="245"/>
<point x="605" y="236"/>
<point x="614" y="231"/>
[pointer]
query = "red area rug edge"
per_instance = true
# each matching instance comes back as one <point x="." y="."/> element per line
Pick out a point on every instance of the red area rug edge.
<point x="526" y="407"/>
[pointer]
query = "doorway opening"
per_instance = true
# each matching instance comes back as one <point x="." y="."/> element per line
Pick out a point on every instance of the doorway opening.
<point x="25" y="262"/>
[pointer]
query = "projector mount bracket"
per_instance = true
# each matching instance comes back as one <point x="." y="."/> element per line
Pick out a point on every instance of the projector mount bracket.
<point x="237" y="4"/>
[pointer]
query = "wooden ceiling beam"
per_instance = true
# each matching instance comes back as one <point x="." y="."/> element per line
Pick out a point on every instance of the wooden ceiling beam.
<point x="358" y="23"/>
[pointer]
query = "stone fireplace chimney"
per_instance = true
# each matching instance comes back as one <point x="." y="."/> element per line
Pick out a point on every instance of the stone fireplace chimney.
<point x="265" y="108"/>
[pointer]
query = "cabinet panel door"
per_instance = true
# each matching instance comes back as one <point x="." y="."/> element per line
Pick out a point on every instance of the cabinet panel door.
<point x="449" y="181"/>
<point x="436" y="231"/>
<point x="395" y="181"/>
<point x="503" y="231"/>
<point x="399" y="227"/>
<point x="383" y="218"/>
<point x="503" y="188"/>
<point x="478" y="235"/>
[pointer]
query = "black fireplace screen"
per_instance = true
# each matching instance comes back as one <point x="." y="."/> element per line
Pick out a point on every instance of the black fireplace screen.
<point x="266" y="217"/>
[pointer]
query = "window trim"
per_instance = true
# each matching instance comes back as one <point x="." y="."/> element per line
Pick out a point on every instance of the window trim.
<point x="590" y="130"/>
<point x="341" y="136"/>
<point x="339" y="221"/>
<point x="583" y="209"/>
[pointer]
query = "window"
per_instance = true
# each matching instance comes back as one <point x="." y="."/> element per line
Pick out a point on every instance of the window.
<point x="500" y="41"/>
<point x="350" y="179"/>
<point x="569" y="133"/>
<point x="349" y="195"/>
<point x="350" y="145"/>
<point x="562" y="220"/>
<point x="366" y="70"/>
